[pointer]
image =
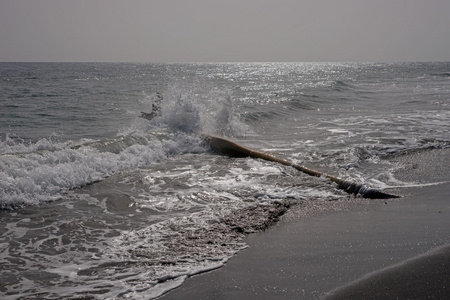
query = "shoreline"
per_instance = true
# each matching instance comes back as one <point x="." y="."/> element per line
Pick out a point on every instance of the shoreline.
<point x="328" y="251"/>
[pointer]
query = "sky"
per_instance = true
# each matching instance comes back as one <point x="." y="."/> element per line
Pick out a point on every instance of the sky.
<point x="224" y="30"/>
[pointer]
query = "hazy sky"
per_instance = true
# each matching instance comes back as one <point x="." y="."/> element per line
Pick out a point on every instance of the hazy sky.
<point x="224" y="30"/>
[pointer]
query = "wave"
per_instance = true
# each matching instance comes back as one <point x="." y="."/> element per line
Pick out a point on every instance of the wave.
<point x="308" y="102"/>
<point x="443" y="74"/>
<point x="263" y="115"/>
<point x="340" y="84"/>
<point x="43" y="175"/>
<point x="34" y="172"/>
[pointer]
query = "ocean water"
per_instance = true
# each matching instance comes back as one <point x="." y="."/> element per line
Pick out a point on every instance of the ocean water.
<point x="97" y="202"/>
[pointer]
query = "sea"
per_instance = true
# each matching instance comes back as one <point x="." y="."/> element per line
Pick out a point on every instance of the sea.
<point x="97" y="202"/>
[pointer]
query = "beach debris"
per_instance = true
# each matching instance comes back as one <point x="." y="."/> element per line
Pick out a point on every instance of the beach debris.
<point x="227" y="147"/>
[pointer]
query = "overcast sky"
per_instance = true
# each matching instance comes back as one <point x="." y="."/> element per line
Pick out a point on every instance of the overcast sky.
<point x="224" y="30"/>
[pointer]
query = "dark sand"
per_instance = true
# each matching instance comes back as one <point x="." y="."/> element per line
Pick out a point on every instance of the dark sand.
<point x="354" y="249"/>
<point x="424" y="277"/>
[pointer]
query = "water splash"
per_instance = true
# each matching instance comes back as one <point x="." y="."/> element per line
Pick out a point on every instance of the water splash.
<point x="45" y="175"/>
<point x="195" y="109"/>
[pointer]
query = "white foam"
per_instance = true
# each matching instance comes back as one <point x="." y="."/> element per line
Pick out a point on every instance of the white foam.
<point x="30" y="178"/>
<point x="219" y="193"/>
<point x="17" y="145"/>
<point x="155" y="243"/>
<point x="35" y="172"/>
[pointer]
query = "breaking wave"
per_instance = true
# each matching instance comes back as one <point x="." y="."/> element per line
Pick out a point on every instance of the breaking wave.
<point x="34" y="172"/>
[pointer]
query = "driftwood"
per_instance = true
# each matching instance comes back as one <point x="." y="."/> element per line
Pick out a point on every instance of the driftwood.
<point x="224" y="146"/>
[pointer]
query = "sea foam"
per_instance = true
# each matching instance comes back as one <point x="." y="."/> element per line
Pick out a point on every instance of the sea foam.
<point x="34" y="172"/>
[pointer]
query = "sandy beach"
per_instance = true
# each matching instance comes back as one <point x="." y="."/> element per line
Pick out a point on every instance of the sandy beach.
<point x="348" y="249"/>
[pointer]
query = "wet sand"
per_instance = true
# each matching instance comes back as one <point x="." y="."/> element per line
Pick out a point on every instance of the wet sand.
<point x="423" y="277"/>
<point x="368" y="249"/>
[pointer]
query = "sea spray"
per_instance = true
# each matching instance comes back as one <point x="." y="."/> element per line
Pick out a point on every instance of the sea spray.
<point x="195" y="109"/>
<point x="42" y="171"/>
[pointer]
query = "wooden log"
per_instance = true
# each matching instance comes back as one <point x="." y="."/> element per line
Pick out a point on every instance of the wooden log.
<point x="227" y="147"/>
